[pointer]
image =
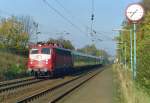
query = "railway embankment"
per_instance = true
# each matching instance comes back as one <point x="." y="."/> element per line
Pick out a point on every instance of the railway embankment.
<point x="11" y="66"/>
<point x="127" y="90"/>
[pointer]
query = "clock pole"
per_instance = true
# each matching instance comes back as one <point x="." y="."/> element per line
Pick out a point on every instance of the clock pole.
<point x="134" y="66"/>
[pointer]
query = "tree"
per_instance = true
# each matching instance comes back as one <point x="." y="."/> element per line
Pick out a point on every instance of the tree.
<point x="145" y="4"/>
<point x="29" y="26"/>
<point x="11" y="33"/>
<point x="92" y="50"/>
<point x="65" y="43"/>
<point x="15" y="32"/>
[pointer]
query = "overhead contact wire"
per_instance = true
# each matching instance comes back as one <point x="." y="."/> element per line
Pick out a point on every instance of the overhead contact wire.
<point x="60" y="14"/>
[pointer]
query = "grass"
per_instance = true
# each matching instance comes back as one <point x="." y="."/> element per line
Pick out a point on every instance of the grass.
<point x="125" y="89"/>
<point x="10" y="63"/>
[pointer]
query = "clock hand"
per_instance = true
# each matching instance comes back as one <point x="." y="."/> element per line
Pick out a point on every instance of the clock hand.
<point x="134" y="12"/>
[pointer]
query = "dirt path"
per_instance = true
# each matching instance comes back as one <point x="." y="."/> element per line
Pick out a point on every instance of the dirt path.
<point x="97" y="90"/>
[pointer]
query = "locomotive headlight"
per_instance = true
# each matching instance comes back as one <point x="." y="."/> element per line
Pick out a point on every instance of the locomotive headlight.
<point x="46" y="61"/>
<point x="31" y="61"/>
<point x="48" y="57"/>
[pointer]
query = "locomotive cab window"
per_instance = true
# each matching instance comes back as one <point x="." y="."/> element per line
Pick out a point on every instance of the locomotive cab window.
<point x="45" y="51"/>
<point x="34" y="51"/>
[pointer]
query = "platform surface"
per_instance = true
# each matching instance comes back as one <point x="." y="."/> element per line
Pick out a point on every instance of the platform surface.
<point x="97" y="90"/>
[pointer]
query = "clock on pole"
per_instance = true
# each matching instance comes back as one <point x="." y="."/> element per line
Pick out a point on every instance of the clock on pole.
<point x="134" y="13"/>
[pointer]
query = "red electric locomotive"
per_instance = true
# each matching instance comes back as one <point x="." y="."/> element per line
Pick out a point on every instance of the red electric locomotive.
<point x="47" y="58"/>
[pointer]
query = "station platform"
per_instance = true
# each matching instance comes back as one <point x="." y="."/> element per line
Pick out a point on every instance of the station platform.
<point x="97" y="90"/>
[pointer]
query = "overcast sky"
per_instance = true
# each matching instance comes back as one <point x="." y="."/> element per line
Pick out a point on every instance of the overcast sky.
<point x="109" y="15"/>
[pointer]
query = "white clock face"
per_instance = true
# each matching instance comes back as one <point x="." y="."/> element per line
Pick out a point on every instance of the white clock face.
<point x="135" y="12"/>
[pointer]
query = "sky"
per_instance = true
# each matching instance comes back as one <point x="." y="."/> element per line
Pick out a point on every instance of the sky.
<point x="108" y="15"/>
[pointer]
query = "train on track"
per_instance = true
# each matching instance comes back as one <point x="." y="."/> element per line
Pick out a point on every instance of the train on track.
<point x="48" y="60"/>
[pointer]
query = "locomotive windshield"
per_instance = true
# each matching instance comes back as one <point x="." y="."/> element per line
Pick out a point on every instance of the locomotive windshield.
<point x="45" y="51"/>
<point x="34" y="51"/>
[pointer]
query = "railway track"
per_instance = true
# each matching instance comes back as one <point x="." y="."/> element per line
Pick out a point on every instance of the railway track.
<point x="8" y="86"/>
<point x="19" y="94"/>
<point x="56" y="93"/>
<point x="10" y="82"/>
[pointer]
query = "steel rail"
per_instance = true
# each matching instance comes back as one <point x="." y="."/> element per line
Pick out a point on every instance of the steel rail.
<point x="19" y="85"/>
<point x="11" y="82"/>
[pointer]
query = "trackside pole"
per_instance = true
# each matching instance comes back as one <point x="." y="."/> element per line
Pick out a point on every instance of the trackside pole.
<point x="131" y="53"/>
<point x="134" y="70"/>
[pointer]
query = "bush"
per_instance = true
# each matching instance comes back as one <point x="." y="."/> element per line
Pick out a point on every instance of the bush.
<point x="12" y="65"/>
<point x="14" y="71"/>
